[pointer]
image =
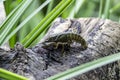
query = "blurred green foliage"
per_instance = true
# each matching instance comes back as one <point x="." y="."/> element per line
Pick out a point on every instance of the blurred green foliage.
<point x="79" y="8"/>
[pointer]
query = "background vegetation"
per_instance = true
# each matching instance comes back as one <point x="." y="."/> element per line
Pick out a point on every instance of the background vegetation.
<point x="25" y="17"/>
<point x="78" y="8"/>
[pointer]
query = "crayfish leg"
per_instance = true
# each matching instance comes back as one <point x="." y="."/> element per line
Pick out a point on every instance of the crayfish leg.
<point x="63" y="48"/>
<point x="57" y="44"/>
<point x="62" y="45"/>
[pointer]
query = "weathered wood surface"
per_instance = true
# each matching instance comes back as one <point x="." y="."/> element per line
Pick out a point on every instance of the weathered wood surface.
<point x="102" y="37"/>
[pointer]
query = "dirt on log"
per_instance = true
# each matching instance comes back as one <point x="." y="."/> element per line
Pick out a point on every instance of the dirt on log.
<point x="37" y="63"/>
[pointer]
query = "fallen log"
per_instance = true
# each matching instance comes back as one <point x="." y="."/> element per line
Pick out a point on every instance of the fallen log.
<point x="37" y="63"/>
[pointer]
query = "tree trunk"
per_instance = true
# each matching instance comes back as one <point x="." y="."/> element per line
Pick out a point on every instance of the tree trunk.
<point x="38" y="63"/>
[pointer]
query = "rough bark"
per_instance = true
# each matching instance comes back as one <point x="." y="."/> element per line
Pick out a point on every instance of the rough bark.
<point x="37" y="63"/>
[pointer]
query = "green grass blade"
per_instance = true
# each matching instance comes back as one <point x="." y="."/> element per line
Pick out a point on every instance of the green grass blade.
<point x="45" y="22"/>
<point x="115" y="8"/>
<point x="101" y="8"/>
<point x="7" y="7"/>
<point x="25" y="21"/>
<point x="10" y="76"/>
<point x="76" y="7"/>
<point x="10" y="15"/>
<point x="14" y="19"/>
<point x="85" y="67"/>
<point x="50" y="6"/>
<point x="33" y="21"/>
<point x="107" y="8"/>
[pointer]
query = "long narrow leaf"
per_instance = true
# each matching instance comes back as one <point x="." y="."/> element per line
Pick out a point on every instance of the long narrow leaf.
<point x="10" y="76"/>
<point x="107" y="8"/>
<point x="45" y="22"/>
<point x="86" y="67"/>
<point x="77" y="6"/>
<point x="10" y="15"/>
<point x="25" y="21"/>
<point x="14" y="20"/>
<point x="115" y="8"/>
<point x="50" y="6"/>
<point x="101" y="8"/>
